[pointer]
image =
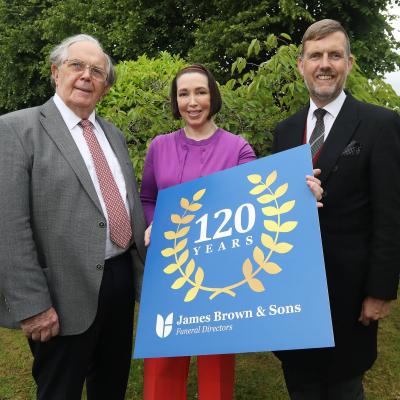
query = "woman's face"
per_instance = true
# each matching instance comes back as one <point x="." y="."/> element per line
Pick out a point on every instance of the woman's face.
<point x="194" y="101"/>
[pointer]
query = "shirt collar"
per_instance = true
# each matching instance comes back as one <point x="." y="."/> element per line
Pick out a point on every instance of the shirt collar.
<point x="69" y="117"/>
<point x="333" y="108"/>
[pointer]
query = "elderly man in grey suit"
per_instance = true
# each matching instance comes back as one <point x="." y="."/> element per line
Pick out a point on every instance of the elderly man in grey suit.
<point x="72" y="228"/>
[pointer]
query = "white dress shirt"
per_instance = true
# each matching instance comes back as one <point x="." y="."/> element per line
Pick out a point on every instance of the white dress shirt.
<point x="332" y="109"/>
<point x="72" y="121"/>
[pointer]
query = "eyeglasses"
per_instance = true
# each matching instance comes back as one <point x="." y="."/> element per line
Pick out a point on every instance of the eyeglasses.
<point x="79" y="67"/>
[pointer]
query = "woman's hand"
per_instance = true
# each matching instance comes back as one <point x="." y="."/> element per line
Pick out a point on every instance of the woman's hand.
<point x="315" y="186"/>
<point x="147" y="234"/>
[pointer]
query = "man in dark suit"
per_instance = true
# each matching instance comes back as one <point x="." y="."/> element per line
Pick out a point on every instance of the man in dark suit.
<point x="72" y="229"/>
<point x="357" y="147"/>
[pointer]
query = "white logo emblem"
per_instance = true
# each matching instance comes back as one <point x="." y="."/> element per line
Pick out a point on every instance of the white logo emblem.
<point x="164" y="327"/>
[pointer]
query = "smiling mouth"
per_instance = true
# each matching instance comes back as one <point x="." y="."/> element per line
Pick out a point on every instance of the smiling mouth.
<point x="194" y="113"/>
<point x="325" y="77"/>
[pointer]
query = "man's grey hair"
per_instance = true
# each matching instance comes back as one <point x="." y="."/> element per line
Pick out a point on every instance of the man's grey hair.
<point x="321" y="29"/>
<point x="60" y="53"/>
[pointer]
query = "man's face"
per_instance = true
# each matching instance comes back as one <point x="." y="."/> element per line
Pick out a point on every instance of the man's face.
<point x="324" y="67"/>
<point x="79" y="90"/>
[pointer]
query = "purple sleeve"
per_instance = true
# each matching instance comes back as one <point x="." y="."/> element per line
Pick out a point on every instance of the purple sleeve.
<point x="246" y="154"/>
<point x="149" y="189"/>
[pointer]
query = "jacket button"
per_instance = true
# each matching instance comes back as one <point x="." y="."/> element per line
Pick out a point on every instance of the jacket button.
<point x="335" y="168"/>
<point x="102" y="224"/>
<point x="100" y="267"/>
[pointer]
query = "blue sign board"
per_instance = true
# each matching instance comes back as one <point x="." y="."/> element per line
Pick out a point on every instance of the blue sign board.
<point x="236" y="264"/>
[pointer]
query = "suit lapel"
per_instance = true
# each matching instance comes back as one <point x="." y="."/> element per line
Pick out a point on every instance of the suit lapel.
<point x="296" y="127"/>
<point x="55" y="127"/>
<point x="341" y="132"/>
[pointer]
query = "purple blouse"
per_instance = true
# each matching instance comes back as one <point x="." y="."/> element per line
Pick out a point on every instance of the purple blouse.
<point x="173" y="158"/>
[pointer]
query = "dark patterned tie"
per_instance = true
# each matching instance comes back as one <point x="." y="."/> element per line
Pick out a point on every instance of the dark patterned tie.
<point x="317" y="136"/>
<point x="118" y="220"/>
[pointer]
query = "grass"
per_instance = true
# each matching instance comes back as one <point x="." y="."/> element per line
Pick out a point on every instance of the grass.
<point x="258" y="375"/>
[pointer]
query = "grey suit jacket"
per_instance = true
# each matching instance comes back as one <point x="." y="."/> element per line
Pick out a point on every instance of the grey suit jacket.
<point x="52" y="231"/>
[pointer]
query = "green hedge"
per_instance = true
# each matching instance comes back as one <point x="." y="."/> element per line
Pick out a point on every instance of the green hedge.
<point x="253" y="104"/>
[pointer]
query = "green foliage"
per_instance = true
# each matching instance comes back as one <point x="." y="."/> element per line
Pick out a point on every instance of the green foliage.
<point x="139" y="102"/>
<point x="220" y="40"/>
<point x="20" y="53"/>
<point x="212" y="32"/>
<point x="253" y="103"/>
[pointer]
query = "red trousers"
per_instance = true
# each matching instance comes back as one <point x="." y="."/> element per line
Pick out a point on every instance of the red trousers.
<point x="166" y="378"/>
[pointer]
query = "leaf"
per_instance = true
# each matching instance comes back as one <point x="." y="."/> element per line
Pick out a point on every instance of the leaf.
<point x="160" y="325"/>
<point x="286" y="36"/>
<point x="189" y="268"/>
<point x="169" y="319"/>
<point x="183" y="257"/>
<point x="194" y="207"/>
<point x="168" y="252"/>
<point x="283" y="248"/>
<point x="182" y="232"/>
<point x="179" y="282"/>
<point x="250" y="48"/>
<point x="270" y="211"/>
<point x="257" y="189"/>
<point x="267" y="241"/>
<point x="288" y="226"/>
<point x="171" y="268"/>
<point x="266" y="198"/>
<point x="257" y="47"/>
<point x="258" y="255"/>
<point x="169" y="235"/>
<point x="186" y="219"/>
<point x="199" y="276"/>
<point x="271" y="226"/>
<point x="256" y="285"/>
<point x="286" y="207"/>
<point x="184" y="203"/>
<point x="271" y="41"/>
<point x="271" y="178"/>
<point x="181" y="245"/>
<point x="191" y="294"/>
<point x="176" y="219"/>
<point x="198" y="195"/>
<point x="233" y="67"/>
<point x="254" y="178"/>
<point x="281" y="190"/>
<point x="247" y="268"/>
<point x="271" y="268"/>
<point x="241" y="64"/>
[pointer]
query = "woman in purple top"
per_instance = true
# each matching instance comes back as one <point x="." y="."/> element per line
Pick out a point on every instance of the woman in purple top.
<point x="198" y="149"/>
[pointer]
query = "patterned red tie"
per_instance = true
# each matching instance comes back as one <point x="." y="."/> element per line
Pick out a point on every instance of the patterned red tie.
<point x="118" y="219"/>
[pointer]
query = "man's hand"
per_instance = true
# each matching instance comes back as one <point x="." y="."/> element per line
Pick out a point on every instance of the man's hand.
<point x="374" y="309"/>
<point x="315" y="186"/>
<point x="41" y="327"/>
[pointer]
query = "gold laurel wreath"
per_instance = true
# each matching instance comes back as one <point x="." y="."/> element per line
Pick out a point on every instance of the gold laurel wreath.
<point x="261" y="259"/>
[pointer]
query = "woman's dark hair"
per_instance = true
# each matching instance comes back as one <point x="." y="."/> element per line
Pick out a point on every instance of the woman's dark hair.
<point x="215" y="95"/>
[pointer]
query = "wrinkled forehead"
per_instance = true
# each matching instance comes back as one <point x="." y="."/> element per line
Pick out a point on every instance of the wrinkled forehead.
<point x="88" y="52"/>
<point x="335" y="41"/>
